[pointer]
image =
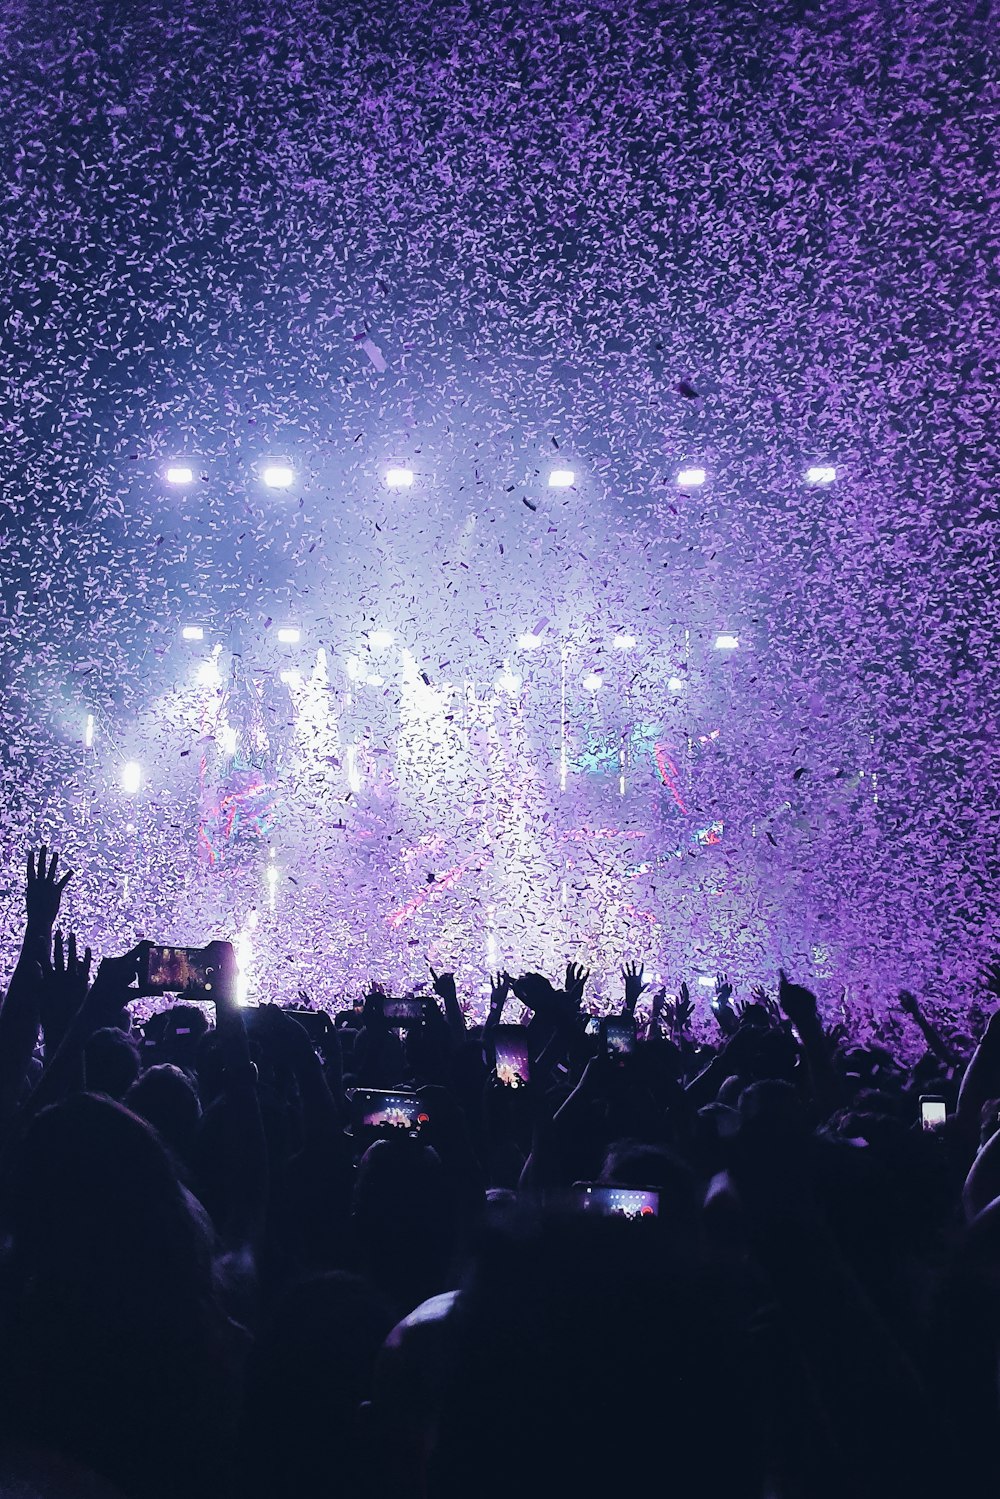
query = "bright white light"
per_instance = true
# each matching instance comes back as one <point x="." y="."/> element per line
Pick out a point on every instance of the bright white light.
<point x="624" y="642"/>
<point x="179" y="473"/>
<point x="88" y="732"/>
<point x="380" y="640"/>
<point x="676" y="684"/>
<point x="399" y="478"/>
<point x="229" y="740"/>
<point x="688" y="478"/>
<point x="192" y="632"/>
<point x="820" y="475"/>
<point x="592" y="681"/>
<point x="131" y="777"/>
<point x="561" y="478"/>
<point x="208" y="674"/>
<point x="272" y="874"/>
<point x="289" y="634"/>
<point x="375" y="681"/>
<point x="243" y="950"/>
<point x="291" y="678"/>
<point x="508" y="681"/>
<point x="278" y="475"/>
<point x="529" y="642"/>
<point x="351" y="766"/>
<point x="727" y="642"/>
<point x="706" y="981"/>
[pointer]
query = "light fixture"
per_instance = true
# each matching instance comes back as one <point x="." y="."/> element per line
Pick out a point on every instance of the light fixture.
<point x="277" y="475"/>
<point x="289" y="634"/>
<point x="689" y="478"/>
<point x="178" y="473"/>
<point x="208" y="673"/>
<point x="192" y="632"/>
<point x="380" y="640"/>
<point x="561" y="478"/>
<point x="727" y="642"/>
<point x="593" y="681"/>
<point x="529" y="641"/>
<point x="131" y="777"/>
<point x="820" y="474"/>
<point x="624" y="642"/>
<point x="399" y="478"/>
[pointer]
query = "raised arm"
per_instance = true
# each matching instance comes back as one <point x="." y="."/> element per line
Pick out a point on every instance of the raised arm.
<point x="20" y="1015"/>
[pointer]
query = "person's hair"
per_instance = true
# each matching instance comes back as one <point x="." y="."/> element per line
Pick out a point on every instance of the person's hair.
<point x="111" y="1062"/>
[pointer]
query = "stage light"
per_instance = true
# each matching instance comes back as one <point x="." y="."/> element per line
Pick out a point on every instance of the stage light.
<point x="624" y="642"/>
<point x="593" y="681"/>
<point x="380" y="640"/>
<point x="88" y="732"/>
<point x="727" y="642"/>
<point x="529" y="641"/>
<point x="821" y="474"/>
<point x="375" y="680"/>
<point x="229" y="739"/>
<point x="676" y="684"/>
<point x="399" y="478"/>
<point x="131" y="777"/>
<point x="179" y="473"/>
<point x="291" y="678"/>
<point x="192" y="632"/>
<point x="277" y="475"/>
<point x="561" y="478"/>
<point x="706" y="981"/>
<point x="508" y="681"/>
<point x="289" y="634"/>
<point x="690" y="478"/>
<point x="208" y="674"/>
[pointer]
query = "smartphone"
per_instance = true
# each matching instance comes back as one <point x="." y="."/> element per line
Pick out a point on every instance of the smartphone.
<point x="315" y="1023"/>
<point x="192" y="971"/>
<point x="616" y="1202"/>
<point x="378" y="1113"/>
<point x="404" y="1013"/>
<point x="617" y="1038"/>
<point x="593" y="1026"/>
<point x="512" y="1067"/>
<point x="933" y="1112"/>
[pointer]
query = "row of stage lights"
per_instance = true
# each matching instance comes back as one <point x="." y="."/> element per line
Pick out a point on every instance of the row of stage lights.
<point x="274" y="475"/>
<point x="532" y="640"/>
<point x="508" y="681"/>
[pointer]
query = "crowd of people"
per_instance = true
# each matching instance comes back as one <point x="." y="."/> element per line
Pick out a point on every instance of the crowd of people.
<point x="269" y="1251"/>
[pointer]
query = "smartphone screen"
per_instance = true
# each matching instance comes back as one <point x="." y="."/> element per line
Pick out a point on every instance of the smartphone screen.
<point x="933" y="1113"/>
<point x="512" y="1065"/>
<point x="403" y="1012"/>
<point x="178" y="970"/>
<point x="383" y="1113"/>
<point x="593" y="1026"/>
<point x="616" y="1202"/>
<point x="619" y="1039"/>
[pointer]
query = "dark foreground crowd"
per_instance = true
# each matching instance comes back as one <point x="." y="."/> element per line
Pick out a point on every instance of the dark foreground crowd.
<point x="393" y="1253"/>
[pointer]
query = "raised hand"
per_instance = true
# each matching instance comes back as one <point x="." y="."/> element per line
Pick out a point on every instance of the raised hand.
<point x="43" y="891"/>
<point x="909" y="1004"/>
<point x="576" y="982"/>
<point x="501" y="983"/>
<point x="632" y="973"/>
<point x="65" y="980"/>
<point x="723" y="989"/>
<point x="683" y="1009"/>
<point x="798" y="1003"/>
<point x="112" y="988"/>
<point x="444" y="986"/>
